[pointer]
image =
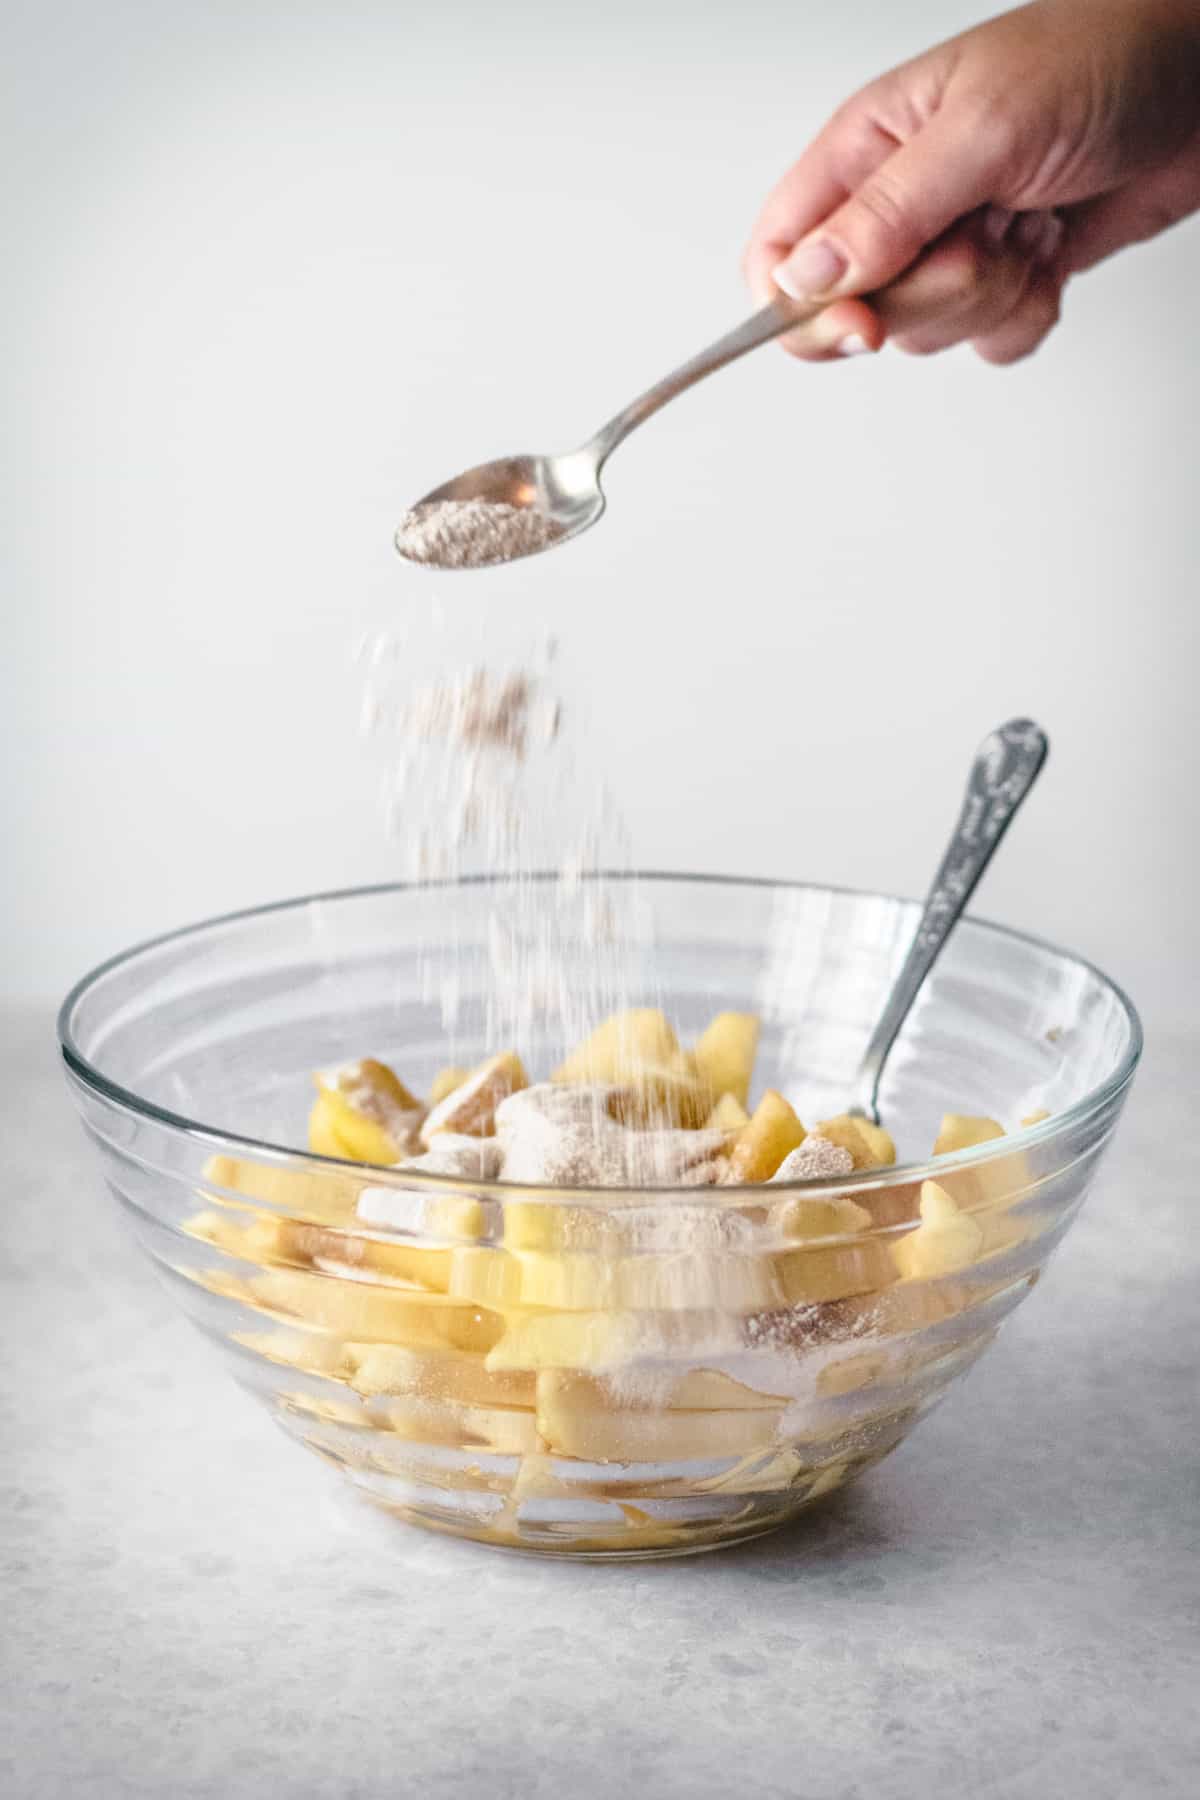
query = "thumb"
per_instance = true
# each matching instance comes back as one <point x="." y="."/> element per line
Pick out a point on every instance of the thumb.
<point x="945" y="171"/>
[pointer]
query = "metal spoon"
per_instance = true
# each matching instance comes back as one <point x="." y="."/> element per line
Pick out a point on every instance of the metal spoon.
<point x="565" y="489"/>
<point x="1006" y="766"/>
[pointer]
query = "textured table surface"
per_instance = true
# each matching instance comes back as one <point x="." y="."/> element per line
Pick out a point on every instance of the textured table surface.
<point x="1006" y="1607"/>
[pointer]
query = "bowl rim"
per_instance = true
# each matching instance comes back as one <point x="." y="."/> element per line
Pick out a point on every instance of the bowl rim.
<point x="1095" y="1100"/>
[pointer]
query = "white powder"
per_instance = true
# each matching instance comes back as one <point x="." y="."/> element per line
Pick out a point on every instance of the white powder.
<point x="471" y="534"/>
<point x="478" y="711"/>
<point x="479" y="781"/>
<point x="453" y="1154"/>
<point x="816" y="1160"/>
<point x="566" y="1136"/>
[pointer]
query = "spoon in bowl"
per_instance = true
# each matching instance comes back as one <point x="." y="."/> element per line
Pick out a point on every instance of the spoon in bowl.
<point x="519" y="505"/>
<point x="1006" y="766"/>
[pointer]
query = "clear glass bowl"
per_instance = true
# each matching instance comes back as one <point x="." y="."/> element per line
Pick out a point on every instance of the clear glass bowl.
<point x="589" y="1372"/>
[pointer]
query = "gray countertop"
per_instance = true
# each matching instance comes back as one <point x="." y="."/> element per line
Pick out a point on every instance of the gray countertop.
<point x="1006" y="1607"/>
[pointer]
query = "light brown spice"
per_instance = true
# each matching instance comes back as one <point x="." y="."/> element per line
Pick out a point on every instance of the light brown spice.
<point x="471" y="534"/>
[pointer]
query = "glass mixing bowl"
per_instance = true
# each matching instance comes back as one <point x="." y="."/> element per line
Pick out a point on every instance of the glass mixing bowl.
<point x="591" y="1372"/>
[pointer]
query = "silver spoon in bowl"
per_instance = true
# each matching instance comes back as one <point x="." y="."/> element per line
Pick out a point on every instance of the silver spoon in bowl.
<point x="541" y="501"/>
<point x="1006" y="766"/>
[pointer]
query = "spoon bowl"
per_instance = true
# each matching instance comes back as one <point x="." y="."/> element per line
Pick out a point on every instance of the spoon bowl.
<point x="564" y="490"/>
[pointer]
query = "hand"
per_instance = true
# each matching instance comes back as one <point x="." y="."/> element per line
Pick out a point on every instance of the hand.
<point x="963" y="189"/>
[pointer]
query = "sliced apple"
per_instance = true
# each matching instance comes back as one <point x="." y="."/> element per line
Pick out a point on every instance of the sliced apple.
<point x="363" y="1113"/>
<point x="621" y="1047"/>
<point x="437" y="1375"/>
<point x="445" y="1082"/>
<point x="328" y="1196"/>
<point x="363" y="1311"/>
<point x="582" y="1340"/>
<point x="870" y="1145"/>
<point x="798" y="1217"/>
<point x="822" y="1272"/>
<point x="946" y="1240"/>
<point x="578" y="1417"/>
<point x="772" y="1132"/>
<point x="725" y="1053"/>
<point x="727" y="1115"/>
<point x="663" y="1098"/>
<point x="959" y="1131"/>
<point x="470" y="1108"/>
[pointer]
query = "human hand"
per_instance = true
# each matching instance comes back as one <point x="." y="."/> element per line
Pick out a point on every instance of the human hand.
<point x="961" y="190"/>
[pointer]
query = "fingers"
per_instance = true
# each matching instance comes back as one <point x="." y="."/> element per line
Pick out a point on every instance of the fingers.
<point x="946" y="171"/>
<point x="847" y="328"/>
<point x="964" y="289"/>
<point x="1028" y="324"/>
<point x="969" y="283"/>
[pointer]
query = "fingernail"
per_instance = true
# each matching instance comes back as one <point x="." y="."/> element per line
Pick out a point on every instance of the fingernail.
<point x="1028" y="233"/>
<point x="854" y="345"/>
<point x="811" y="270"/>
<point x="1051" y="238"/>
<point x="996" y="222"/>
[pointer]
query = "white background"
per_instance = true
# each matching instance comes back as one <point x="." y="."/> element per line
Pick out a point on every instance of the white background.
<point x="271" y="270"/>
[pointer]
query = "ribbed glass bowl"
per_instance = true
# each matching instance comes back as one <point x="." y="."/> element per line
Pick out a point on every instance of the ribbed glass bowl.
<point x="589" y="1372"/>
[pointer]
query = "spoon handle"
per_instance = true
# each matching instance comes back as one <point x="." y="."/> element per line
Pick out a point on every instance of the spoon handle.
<point x="1006" y="766"/>
<point x="771" y="321"/>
